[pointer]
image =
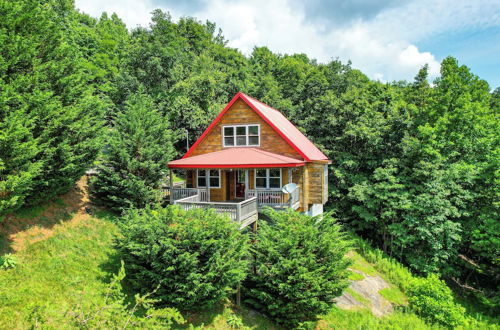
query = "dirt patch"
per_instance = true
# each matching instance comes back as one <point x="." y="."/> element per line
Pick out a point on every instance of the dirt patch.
<point x="17" y="231"/>
<point x="368" y="294"/>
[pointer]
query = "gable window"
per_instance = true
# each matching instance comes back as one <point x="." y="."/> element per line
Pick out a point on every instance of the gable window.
<point x="210" y="176"/>
<point x="241" y="135"/>
<point x="267" y="178"/>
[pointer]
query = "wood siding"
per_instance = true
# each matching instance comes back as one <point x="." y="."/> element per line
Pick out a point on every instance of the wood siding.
<point x="241" y="113"/>
<point x="316" y="183"/>
<point x="310" y="177"/>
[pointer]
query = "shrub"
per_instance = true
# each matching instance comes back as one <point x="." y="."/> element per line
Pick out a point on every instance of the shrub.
<point x="189" y="259"/>
<point x="432" y="299"/>
<point x="8" y="261"/>
<point x="134" y="161"/>
<point x="300" y="267"/>
<point x="114" y="313"/>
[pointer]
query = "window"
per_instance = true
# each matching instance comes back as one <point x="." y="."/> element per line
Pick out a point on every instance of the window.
<point x="241" y="135"/>
<point x="212" y="176"/>
<point x="270" y="178"/>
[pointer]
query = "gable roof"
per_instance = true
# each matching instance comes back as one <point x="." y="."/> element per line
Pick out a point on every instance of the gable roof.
<point x="277" y="121"/>
<point x="236" y="158"/>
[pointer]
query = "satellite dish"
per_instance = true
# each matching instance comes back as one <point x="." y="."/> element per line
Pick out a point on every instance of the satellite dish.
<point x="289" y="188"/>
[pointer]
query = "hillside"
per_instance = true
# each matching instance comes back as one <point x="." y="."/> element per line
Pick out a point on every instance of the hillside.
<point x="66" y="259"/>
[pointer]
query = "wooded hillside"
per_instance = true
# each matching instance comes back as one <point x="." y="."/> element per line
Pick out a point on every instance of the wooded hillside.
<point x="415" y="165"/>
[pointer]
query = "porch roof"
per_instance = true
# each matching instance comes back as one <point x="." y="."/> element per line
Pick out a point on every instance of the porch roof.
<point x="236" y="158"/>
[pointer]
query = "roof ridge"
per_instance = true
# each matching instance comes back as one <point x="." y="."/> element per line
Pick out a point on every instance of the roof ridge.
<point x="265" y="104"/>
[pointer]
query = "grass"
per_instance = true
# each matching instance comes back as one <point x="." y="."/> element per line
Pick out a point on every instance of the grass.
<point x="222" y="318"/>
<point x="56" y="276"/>
<point x="69" y="270"/>
<point x="360" y="264"/>
<point x="363" y="319"/>
<point x="177" y="178"/>
<point x="394" y="295"/>
<point x="365" y="302"/>
<point x="30" y="212"/>
<point x="354" y="276"/>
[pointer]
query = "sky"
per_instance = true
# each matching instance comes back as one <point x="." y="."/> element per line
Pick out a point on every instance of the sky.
<point x="386" y="39"/>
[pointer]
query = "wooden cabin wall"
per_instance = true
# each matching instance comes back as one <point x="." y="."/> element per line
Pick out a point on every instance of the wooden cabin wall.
<point x="241" y="113"/>
<point x="316" y="191"/>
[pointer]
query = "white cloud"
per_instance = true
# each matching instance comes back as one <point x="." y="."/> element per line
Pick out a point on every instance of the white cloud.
<point x="383" y="46"/>
<point x="132" y="12"/>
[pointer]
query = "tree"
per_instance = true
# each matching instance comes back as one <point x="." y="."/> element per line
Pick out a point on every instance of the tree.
<point x="300" y="266"/>
<point x="134" y="162"/>
<point x="190" y="260"/>
<point x="50" y="114"/>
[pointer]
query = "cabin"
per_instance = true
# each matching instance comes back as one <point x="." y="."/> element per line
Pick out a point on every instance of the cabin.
<point x="249" y="157"/>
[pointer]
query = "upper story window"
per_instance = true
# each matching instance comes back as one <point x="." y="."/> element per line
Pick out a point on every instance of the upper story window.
<point x="241" y="135"/>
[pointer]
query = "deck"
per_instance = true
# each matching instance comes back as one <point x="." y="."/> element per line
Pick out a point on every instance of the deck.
<point x="243" y="212"/>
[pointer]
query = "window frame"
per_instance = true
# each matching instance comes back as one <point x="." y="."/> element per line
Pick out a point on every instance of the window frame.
<point x="234" y="136"/>
<point x="207" y="177"/>
<point x="268" y="177"/>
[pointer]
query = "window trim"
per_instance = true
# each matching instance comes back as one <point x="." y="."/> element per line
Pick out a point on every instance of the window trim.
<point x="267" y="178"/>
<point x="207" y="178"/>
<point x="235" y="135"/>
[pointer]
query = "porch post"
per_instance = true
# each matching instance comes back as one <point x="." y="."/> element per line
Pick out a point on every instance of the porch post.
<point x="207" y="183"/>
<point x="246" y="183"/>
<point x="171" y="179"/>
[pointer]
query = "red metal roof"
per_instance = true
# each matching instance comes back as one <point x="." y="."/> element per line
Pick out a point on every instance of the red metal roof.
<point x="239" y="157"/>
<point x="278" y="122"/>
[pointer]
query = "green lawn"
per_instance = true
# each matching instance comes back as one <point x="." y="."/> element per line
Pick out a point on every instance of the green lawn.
<point x="68" y="272"/>
<point x="58" y="276"/>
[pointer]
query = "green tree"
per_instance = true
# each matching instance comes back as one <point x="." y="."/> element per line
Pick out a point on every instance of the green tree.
<point x="50" y="114"/>
<point x="189" y="260"/>
<point x="134" y="161"/>
<point x="300" y="266"/>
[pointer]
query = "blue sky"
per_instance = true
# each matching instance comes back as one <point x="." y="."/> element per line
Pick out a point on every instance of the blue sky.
<point x="386" y="39"/>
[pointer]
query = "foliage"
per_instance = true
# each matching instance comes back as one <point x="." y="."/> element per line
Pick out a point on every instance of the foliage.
<point x="234" y="321"/>
<point x="433" y="300"/>
<point x="8" y="261"/>
<point x="415" y="165"/>
<point x="50" y="112"/>
<point x="190" y="259"/>
<point x="299" y="267"/>
<point x="364" y="319"/>
<point x="444" y="309"/>
<point x="54" y="276"/>
<point x="114" y="312"/>
<point x="133" y="169"/>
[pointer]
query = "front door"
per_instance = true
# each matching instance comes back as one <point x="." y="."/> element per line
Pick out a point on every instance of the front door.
<point x="240" y="183"/>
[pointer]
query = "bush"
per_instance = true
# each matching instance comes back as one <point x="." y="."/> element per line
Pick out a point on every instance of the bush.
<point x="189" y="259"/>
<point x="300" y="267"/>
<point x="133" y="168"/>
<point x="8" y="261"/>
<point x="114" y="313"/>
<point x="432" y="299"/>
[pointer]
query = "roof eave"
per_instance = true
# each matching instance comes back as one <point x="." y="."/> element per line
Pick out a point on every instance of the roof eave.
<point x="188" y="166"/>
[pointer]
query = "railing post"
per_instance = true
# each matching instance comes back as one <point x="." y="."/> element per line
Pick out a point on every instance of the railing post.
<point x="238" y="212"/>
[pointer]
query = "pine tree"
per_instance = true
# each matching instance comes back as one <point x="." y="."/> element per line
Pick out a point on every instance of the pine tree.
<point x="50" y="115"/>
<point x="135" y="159"/>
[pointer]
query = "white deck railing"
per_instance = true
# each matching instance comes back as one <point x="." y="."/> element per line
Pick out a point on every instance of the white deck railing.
<point x="180" y="193"/>
<point x="243" y="212"/>
<point x="275" y="198"/>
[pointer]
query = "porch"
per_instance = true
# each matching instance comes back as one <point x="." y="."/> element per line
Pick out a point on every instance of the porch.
<point x="243" y="211"/>
<point x="238" y="182"/>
